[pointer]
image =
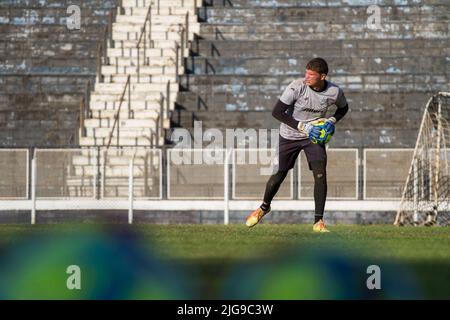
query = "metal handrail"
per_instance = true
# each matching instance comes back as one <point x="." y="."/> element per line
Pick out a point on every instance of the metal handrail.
<point x="177" y="63"/>
<point x="84" y="108"/>
<point x="148" y="18"/>
<point x="161" y="116"/>
<point x="184" y="31"/>
<point x="168" y="99"/>
<point x="116" y="118"/>
<point x="187" y="30"/>
<point x="102" y="49"/>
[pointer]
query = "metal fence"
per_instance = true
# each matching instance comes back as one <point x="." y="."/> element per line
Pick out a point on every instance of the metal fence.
<point x="97" y="173"/>
<point x="342" y="175"/>
<point x="250" y="171"/>
<point x="385" y="172"/>
<point x="189" y="176"/>
<point x="14" y="173"/>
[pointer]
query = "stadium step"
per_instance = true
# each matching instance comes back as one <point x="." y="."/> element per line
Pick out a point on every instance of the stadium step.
<point x="123" y="123"/>
<point x="139" y="105"/>
<point x="137" y="113"/>
<point x="108" y="70"/>
<point x="155" y="43"/>
<point x="143" y="96"/>
<point x="142" y="78"/>
<point x="138" y="18"/>
<point x="171" y="33"/>
<point x="376" y="48"/>
<point x="133" y="52"/>
<point x="135" y="87"/>
<point x="161" y="4"/>
<point x="336" y="14"/>
<point x="321" y="30"/>
<point x="163" y="10"/>
<point x="151" y="61"/>
<point x="238" y="4"/>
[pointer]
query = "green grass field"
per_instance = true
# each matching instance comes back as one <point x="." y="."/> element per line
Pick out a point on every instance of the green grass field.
<point x="210" y="253"/>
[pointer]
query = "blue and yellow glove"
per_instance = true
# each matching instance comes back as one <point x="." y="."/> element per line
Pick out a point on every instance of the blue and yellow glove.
<point x="329" y="125"/>
<point x="319" y="131"/>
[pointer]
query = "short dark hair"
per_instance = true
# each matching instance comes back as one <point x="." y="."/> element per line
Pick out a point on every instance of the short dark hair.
<point x="318" y="64"/>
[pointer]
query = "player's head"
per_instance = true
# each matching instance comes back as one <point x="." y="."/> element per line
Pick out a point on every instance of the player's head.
<point x="316" y="71"/>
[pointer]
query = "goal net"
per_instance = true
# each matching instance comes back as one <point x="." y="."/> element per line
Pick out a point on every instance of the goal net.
<point x="425" y="199"/>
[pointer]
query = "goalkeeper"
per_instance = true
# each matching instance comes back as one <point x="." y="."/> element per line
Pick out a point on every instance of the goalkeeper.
<point x="301" y="110"/>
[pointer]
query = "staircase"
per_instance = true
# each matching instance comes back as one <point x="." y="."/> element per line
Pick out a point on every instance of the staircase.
<point x="135" y="91"/>
<point x="151" y="67"/>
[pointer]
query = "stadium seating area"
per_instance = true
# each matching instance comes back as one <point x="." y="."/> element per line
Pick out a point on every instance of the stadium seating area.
<point x="243" y="56"/>
<point x="247" y="52"/>
<point x="45" y="67"/>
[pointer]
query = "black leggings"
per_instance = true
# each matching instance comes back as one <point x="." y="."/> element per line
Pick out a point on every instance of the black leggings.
<point x="320" y="186"/>
<point x="273" y="185"/>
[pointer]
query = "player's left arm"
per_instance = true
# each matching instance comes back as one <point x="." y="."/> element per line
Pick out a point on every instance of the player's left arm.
<point x="341" y="111"/>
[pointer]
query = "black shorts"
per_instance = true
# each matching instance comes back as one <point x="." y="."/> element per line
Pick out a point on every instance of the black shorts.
<point x="288" y="151"/>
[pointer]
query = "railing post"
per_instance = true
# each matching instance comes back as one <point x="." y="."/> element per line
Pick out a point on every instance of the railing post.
<point x="103" y="174"/>
<point x="87" y="100"/>
<point x="177" y="56"/>
<point x="138" y="63"/>
<point x="168" y="98"/>
<point x="145" y="47"/>
<point x="33" y="189"/>
<point x="95" y="177"/>
<point x="129" y="97"/>
<point x="361" y="177"/>
<point x="161" y="118"/>
<point x="157" y="133"/>
<point x="187" y="31"/>
<point x="105" y="46"/>
<point x="182" y="40"/>
<point x="110" y="25"/>
<point x="150" y="28"/>
<point x="226" y="193"/>
<point x="118" y="132"/>
<point x="415" y="191"/>
<point x="97" y="181"/>
<point x="82" y="108"/>
<point x="99" y="63"/>
<point x="130" y="191"/>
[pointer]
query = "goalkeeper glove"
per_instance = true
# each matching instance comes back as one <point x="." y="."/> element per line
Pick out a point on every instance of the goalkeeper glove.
<point x="329" y="125"/>
<point x="313" y="132"/>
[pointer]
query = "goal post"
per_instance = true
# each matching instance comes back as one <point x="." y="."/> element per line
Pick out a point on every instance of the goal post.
<point x="426" y="194"/>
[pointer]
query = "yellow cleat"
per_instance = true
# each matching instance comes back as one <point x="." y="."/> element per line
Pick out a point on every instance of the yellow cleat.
<point x="255" y="217"/>
<point x="319" y="226"/>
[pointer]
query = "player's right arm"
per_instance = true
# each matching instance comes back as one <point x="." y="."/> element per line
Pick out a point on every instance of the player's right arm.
<point x="286" y="101"/>
<point x="279" y="113"/>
